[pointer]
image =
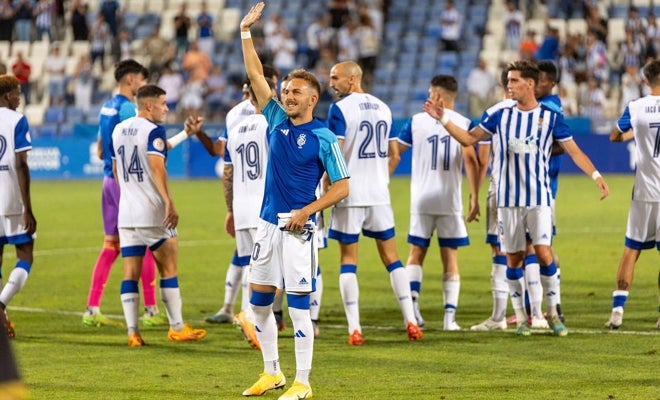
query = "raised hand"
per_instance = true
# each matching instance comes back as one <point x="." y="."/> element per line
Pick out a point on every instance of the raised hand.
<point x="252" y="16"/>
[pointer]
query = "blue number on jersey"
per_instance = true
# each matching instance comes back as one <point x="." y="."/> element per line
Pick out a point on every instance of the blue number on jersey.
<point x="250" y="161"/>
<point x="134" y="167"/>
<point x="380" y="130"/>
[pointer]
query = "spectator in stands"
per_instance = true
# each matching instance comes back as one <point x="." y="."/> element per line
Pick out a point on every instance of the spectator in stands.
<point x="172" y="83"/>
<point x="347" y="47"/>
<point x="597" y="63"/>
<point x="480" y="84"/>
<point x="549" y="48"/>
<point x="216" y="99"/>
<point x="635" y="24"/>
<point x="24" y="20"/>
<point x="182" y="24"/>
<point x="630" y="52"/>
<point x="44" y="12"/>
<point x="568" y="103"/>
<point x="192" y="98"/>
<point x="593" y="99"/>
<point x="196" y="65"/>
<point x="6" y="20"/>
<point x="55" y="67"/>
<point x="284" y="49"/>
<point x="110" y="11"/>
<point x="451" y="23"/>
<point x="125" y="45"/>
<point x="528" y="46"/>
<point x="339" y="11"/>
<point x="22" y="70"/>
<point x="319" y="36"/>
<point x="160" y="52"/>
<point x="368" y="44"/>
<point x="79" y="24"/>
<point x="631" y="84"/>
<point x="83" y="83"/>
<point x="99" y="37"/>
<point x="205" y="39"/>
<point x="374" y="9"/>
<point x="652" y="37"/>
<point x="3" y="66"/>
<point x="513" y="26"/>
<point x="597" y="24"/>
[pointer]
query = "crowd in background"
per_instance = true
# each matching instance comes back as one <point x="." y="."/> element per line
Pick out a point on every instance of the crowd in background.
<point x="591" y="72"/>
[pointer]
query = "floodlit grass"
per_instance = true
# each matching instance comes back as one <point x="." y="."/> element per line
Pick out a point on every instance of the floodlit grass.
<point x="60" y="359"/>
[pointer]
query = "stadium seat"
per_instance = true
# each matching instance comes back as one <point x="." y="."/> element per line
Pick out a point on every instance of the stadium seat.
<point x="54" y="114"/>
<point x="48" y="130"/>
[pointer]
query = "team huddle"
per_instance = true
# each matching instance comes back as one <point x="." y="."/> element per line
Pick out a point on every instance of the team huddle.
<point x="289" y="165"/>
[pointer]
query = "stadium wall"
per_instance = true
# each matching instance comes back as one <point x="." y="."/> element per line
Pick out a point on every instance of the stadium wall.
<point x="75" y="157"/>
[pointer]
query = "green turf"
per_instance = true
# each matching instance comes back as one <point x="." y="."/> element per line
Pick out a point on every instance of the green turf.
<point x="60" y="359"/>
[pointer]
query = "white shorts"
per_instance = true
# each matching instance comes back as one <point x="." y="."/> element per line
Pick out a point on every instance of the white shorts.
<point x="13" y="231"/>
<point x="134" y="241"/>
<point x="450" y="229"/>
<point x="245" y="241"/>
<point x="492" y="232"/>
<point x="376" y="222"/>
<point x="283" y="260"/>
<point x="643" y="230"/>
<point x="514" y="222"/>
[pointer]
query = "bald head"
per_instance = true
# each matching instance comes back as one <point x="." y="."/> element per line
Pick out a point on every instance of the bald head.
<point x="346" y="78"/>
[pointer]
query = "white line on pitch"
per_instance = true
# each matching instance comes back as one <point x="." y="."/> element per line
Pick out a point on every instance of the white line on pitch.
<point x="374" y="327"/>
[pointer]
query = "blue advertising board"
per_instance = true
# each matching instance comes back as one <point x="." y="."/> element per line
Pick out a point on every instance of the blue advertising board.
<point x="75" y="157"/>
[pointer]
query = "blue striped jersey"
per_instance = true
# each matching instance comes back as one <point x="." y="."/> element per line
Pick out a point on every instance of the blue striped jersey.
<point x="521" y="148"/>
<point x="643" y="117"/>
<point x="553" y="102"/>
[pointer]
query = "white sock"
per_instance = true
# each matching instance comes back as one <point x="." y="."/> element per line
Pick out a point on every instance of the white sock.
<point x="350" y="295"/>
<point x="14" y="284"/>
<point x="500" y="290"/>
<point x="550" y="284"/>
<point x="558" y="286"/>
<point x="315" y="298"/>
<point x="266" y="327"/>
<point x="171" y="297"/>
<point x="245" y="291"/>
<point x="401" y="287"/>
<point x="451" y="287"/>
<point x="415" y="274"/>
<point x="304" y="342"/>
<point x="233" y="282"/>
<point x="130" y="303"/>
<point x="533" y="282"/>
<point x="517" y="292"/>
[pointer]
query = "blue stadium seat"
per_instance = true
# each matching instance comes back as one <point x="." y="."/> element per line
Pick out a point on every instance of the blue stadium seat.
<point x="74" y="115"/>
<point x="54" y="114"/>
<point x="48" y="130"/>
<point x="448" y="60"/>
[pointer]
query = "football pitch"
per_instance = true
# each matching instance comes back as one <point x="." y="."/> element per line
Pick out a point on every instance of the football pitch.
<point x="61" y="359"/>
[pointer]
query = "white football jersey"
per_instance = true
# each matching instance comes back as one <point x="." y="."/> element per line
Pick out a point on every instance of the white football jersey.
<point x="14" y="138"/>
<point x="247" y="151"/>
<point x="437" y="162"/>
<point x="140" y="203"/>
<point x="643" y="117"/>
<point x="364" y="123"/>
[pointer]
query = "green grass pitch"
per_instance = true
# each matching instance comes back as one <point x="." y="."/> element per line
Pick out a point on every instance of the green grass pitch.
<point x="61" y="359"/>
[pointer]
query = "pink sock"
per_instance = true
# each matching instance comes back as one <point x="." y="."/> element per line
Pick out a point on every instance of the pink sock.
<point x="102" y="268"/>
<point x="148" y="279"/>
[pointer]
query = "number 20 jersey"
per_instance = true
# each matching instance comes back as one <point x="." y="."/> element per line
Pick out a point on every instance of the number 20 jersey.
<point x="364" y="123"/>
<point x="140" y="204"/>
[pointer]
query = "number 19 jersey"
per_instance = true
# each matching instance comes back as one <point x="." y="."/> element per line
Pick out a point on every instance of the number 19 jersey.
<point x="140" y="204"/>
<point x="14" y="138"/>
<point x="247" y="152"/>
<point x="364" y="123"/>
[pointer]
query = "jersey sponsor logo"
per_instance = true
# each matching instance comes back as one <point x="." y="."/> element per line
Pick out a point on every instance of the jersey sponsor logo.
<point x="159" y="144"/>
<point x="302" y="139"/>
<point x="522" y="146"/>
